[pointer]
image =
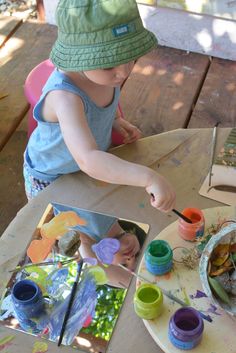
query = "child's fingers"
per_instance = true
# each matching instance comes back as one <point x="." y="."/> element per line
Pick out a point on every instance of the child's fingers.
<point x="123" y="132"/>
<point x="163" y="203"/>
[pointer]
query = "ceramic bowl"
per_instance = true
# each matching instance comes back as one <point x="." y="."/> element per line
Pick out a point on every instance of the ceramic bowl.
<point x="225" y="235"/>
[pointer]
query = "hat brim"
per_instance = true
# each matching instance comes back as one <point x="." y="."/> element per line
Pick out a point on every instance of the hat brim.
<point x="102" y="56"/>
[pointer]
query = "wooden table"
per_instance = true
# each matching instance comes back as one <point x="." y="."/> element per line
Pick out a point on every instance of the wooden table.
<point x="181" y="155"/>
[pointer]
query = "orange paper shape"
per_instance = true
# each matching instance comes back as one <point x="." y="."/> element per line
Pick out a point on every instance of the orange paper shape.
<point x="60" y="224"/>
<point x="40" y="249"/>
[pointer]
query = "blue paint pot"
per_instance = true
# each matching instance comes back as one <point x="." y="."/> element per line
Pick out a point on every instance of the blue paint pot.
<point x="28" y="304"/>
<point x="186" y="328"/>
<point x="158" y="257"/>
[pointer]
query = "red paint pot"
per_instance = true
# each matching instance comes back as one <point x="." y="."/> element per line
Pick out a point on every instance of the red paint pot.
<point x="194" y="230"/>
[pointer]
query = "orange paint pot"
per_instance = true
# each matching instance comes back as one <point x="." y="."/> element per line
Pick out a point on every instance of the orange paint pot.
<point x="194" y="230"/>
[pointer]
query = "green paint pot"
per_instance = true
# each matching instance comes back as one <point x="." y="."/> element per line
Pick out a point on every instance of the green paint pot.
<point x="158" y="257"/>
<point x="148" y="301"/>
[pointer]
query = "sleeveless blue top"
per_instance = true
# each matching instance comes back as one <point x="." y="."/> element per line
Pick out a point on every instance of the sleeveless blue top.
<point x="47" y="156"/>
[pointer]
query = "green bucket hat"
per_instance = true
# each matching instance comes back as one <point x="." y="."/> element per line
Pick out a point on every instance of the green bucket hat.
<point x="99" y="34"/>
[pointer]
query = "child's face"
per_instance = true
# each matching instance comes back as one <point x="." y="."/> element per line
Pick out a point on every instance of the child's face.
<point x="129" y="248"/>
<point x="112" y="77"/>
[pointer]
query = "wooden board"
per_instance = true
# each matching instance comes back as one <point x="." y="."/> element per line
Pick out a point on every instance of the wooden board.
<point x="162" y="88"/>
<point x="28" y="46"/>
<point x="216" y="102"/>
<point x="8" y="26"/>
<point x="12" y="184"/>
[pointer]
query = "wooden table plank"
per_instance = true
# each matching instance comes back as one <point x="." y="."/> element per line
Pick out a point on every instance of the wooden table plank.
<point x="162" y="88"/>
<point x="8" y="26"/>
<point x="216" y="102"/>
<point x="29" y="45"/>
<point x="12" y="183"/>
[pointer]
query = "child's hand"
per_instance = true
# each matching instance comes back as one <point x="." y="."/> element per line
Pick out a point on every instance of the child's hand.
<point x="162" y="194"/>
<point x="130" y="132"/>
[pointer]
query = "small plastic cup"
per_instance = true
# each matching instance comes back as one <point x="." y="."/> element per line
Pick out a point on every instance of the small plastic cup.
<point x="28" y="304"/>
<point x="148" y="301"/>
<point x="185" y="328"/>
<point x="158" y="257"/>
<point x="194" y="230"/>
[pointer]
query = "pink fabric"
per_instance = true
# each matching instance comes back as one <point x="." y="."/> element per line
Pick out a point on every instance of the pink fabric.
<point x="33" y="88"/>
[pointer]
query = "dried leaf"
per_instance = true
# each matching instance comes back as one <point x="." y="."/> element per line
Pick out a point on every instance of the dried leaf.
<point x="232" y="248"/>
<point x="220" y="254"/>
<point x="220" y="270"/>
<point x="219" y="290"/>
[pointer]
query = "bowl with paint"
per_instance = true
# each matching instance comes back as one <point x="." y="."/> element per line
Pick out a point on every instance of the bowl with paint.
<point x="185" y="328"/>
<point x="158" y="257"/>
<point x="148" y="301"/>
<point x="194" y="230"/>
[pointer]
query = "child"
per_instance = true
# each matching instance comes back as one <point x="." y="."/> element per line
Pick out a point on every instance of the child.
<point x="98" y="43"/>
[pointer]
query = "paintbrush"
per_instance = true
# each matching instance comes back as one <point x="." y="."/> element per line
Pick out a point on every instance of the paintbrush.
<point x="71" y="300"/>
<point x="165" y="292"/>
<point x="46" y="263"/>
<point x="213" y="146"/>
<point x="179" y="214"/>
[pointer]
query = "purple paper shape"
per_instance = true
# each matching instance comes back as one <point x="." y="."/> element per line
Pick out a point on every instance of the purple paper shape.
<point x="106" y="249"/>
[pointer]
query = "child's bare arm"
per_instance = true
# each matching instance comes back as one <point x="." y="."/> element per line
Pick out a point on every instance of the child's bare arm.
<point x="102" y="165"/>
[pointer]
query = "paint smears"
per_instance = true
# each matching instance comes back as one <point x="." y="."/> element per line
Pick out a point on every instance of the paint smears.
<point x="40" y="347"/>
<point x="198" y="294"/>
<point x="5" y="342"/>
<point x="213" y="309"/>
<point x="176" y="161"/>
<point x="184" y="293"/>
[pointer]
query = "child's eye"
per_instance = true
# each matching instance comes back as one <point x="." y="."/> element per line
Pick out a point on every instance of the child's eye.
<point x="109" y="69"/>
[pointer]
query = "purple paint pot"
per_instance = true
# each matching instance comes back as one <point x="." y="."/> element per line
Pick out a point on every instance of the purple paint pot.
<point x="186" y="328"/>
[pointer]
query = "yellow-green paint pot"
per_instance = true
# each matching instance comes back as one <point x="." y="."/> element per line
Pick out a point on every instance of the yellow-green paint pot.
<point x="148" y="301"/>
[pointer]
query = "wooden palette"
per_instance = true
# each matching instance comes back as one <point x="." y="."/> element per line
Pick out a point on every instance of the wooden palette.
<point x="186" y="285"/>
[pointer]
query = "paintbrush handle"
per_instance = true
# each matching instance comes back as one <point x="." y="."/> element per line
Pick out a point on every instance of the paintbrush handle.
<point x="213" y="147"/>
<point x="166" y="293"/>
<point x="67" y="314"/>
<point x="181" y="215"/>
<point x="186" y="219"/>
<point x="71" y="300"/>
